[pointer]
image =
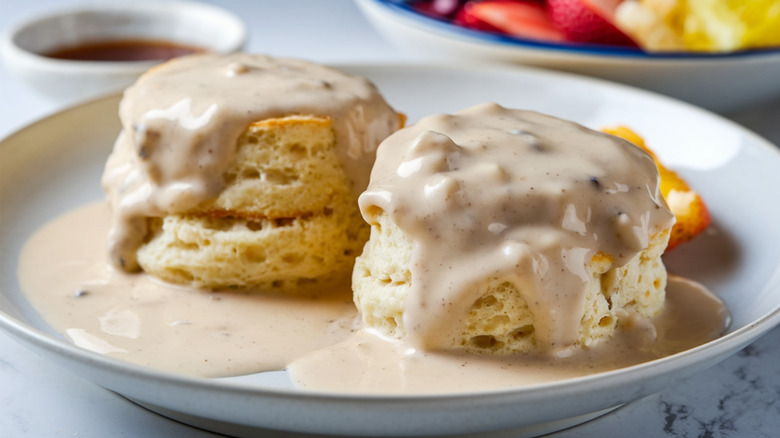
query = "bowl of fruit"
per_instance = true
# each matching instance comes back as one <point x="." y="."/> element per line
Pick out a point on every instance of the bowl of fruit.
<point x="721" y="55"/>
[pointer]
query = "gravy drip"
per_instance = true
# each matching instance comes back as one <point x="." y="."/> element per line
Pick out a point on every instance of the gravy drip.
<point x="181" y="121"/>
<point x="366" y="363"/>
<point x="497" y="194"/>
<point x="132" y="317"/>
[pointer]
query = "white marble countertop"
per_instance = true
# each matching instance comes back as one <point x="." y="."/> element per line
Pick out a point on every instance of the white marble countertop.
<point x="737" y="397"/>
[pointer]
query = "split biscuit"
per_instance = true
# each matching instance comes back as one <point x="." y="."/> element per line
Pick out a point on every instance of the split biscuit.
<point x="287" y="214"/>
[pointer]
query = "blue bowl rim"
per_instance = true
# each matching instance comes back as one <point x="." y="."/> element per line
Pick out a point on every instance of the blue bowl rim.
<point x="404" y="9"/>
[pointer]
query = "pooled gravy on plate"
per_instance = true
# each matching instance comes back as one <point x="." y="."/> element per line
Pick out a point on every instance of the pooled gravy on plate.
<point x="65" y="273"/>
<point x="146" y="321"/>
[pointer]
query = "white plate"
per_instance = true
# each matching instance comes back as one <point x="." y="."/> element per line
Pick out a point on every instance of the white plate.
<point x="720" y="82"/>
<point x="55" y="164"/>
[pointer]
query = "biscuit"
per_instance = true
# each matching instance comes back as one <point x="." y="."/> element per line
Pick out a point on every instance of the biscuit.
<point x="500" y="321"/>
<point x="287" y="213"/>
<point x="503" y="231"/>
<point x="242" y="171"/>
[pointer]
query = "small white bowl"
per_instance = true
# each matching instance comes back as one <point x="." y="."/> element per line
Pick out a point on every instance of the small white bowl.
<point x="194" y="24"/>
<point x="720" y="82"/>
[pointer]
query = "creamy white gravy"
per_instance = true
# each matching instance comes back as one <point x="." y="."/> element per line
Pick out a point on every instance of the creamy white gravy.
<point x="65" y="274"/>
<point x="491" y="193"/>
<point x="368" y="363"/>
<point x="181" y="120"/>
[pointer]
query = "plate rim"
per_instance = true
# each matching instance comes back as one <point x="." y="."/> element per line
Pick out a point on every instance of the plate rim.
<point x="401" y="10"/>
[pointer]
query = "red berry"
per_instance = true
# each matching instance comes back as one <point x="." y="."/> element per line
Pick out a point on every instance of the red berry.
<point x="587" y="21"/>
<point x="467" y="19"/>
<point x="525" y="19"/>
<point x="436" y="8"/>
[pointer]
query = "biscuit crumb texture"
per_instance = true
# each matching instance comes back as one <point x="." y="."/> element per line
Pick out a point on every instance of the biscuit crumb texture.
<point x="500" y="321"/>
<point x="286" y="215"/>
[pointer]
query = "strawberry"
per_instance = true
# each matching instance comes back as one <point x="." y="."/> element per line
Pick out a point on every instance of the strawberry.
<point x="520" y="18"/>
<point x="442" y="9"/>
<point x="467" y="19"/>
<point x="587" y="21"/>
